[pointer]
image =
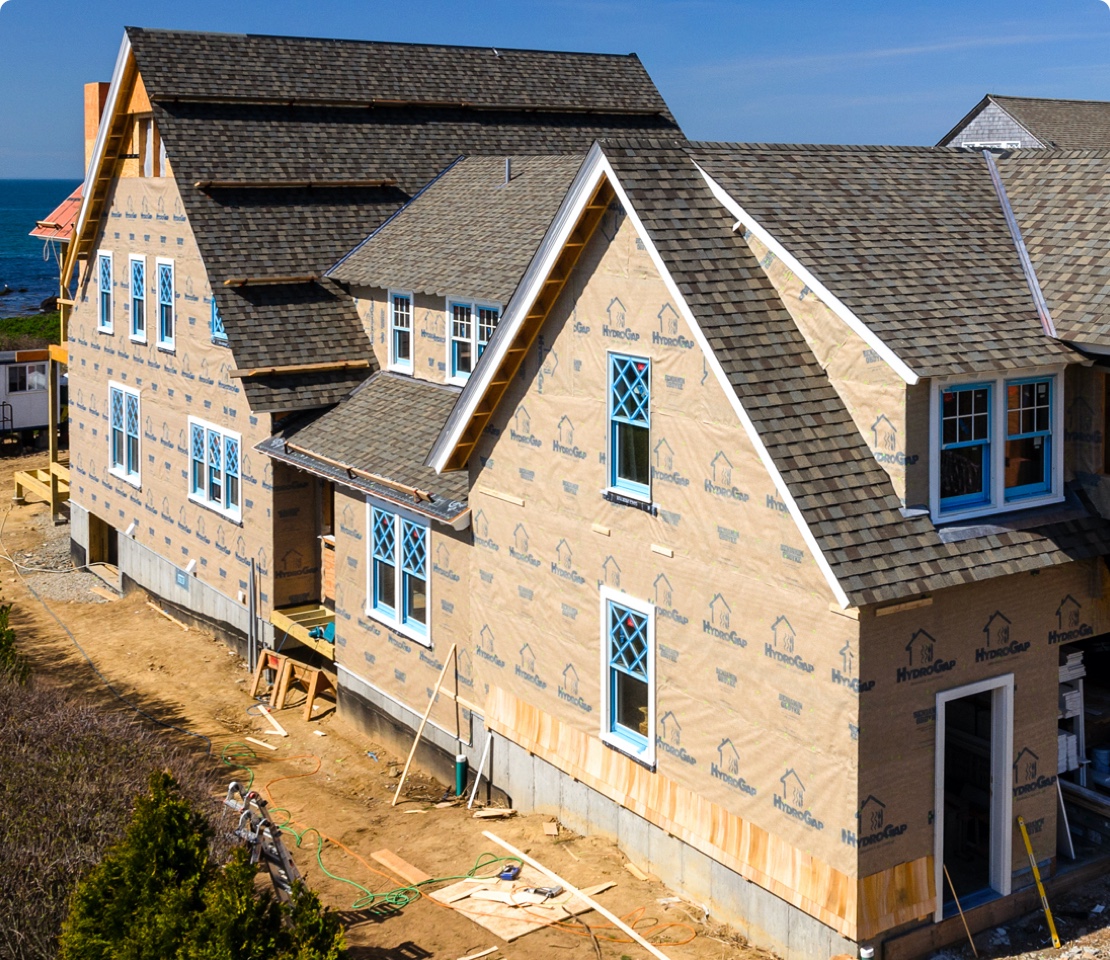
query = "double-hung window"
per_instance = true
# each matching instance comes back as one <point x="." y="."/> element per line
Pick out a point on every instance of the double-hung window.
<point x="628" y="674"/>
<point x="123" y="433"/>
<point x="216" y="325"/>
<point x="214" y="468"/>
<point x="398" y="591"/>
<point x="630" y="425"/>
<point x="400" y="331"/>
<point x="165" y="303"/>
<point x="994" y="446"/>
<point x="138" y="299"/>
<point x="26" y="377"/>
<point x="104" y="291"/>
<point x="471" y="326"/>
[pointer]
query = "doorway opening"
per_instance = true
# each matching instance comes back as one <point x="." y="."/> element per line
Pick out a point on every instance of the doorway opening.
<point x="103" y="542"/>
<point x="973" y="798"/>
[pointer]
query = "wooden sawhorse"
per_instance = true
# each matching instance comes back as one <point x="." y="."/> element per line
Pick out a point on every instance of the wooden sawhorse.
<point x="290" y="672"/>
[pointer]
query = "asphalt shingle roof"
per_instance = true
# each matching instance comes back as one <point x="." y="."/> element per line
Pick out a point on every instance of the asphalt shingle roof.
<point x="385" y="428"/>
<point x="470" y="233"/>
<point x="911" y="239"/>
<point x="844" y="495"/>
<point x="1062" y="204"/>
<point x="1064" y="124"/>
<point x="252" y="108"/>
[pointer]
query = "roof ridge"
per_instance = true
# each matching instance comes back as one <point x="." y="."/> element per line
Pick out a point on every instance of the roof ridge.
<point x="1006" y="96"/>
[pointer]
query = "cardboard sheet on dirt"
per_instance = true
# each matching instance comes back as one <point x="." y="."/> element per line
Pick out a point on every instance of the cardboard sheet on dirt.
<point x="873" y="393"/>
<point x="1018" y="625"/>
<point x="146" y="217"/>
<point x="749" y="712"/>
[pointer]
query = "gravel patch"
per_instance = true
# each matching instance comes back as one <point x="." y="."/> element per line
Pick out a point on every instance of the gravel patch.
<point x="48" y="568"/>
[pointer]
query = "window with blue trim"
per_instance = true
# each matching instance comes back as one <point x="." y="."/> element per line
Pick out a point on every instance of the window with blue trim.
<point x="630" y="424"/>
<point x="965" y="453"/>
<point x="995" y="448"/>
<point x="400" y="331"/>
<point x="219" y="334"/>
<point x="104" y="288"/>
<point x="138" y="299"/>
<point x="471" y="327"/>
<point x="628" y="684"/>
<point x="214" y="476"/>
<point x="165" y="304"/>
<point x="123" y="433"/>
<point x="399" y="572"/>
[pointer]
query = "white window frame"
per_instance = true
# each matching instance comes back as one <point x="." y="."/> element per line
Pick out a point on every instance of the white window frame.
<point x="992" y="144"/>
<point x="997" y="503"/>
<point x="137" y="337"/>
<point x="449" y="329"/>
<point x="26" y="378"/>
<point x="617" y="741"/>
<point x="119" y="470"/>
<point x="402" y="366"/>
<point x="1002" y="752"/>
<point x="395" y="621"/>
<point x="235" y="511"/>
<point x="165" y="343"/>
<point x="104" y="316"/>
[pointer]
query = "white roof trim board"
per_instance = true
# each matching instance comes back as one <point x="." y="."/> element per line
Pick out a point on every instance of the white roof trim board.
<point x="102" y="135"/>
<point x="847" y="316"/>
<point x="596" y="166"/>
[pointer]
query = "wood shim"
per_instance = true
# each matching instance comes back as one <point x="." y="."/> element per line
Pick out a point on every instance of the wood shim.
<point x="275" y="727"/>
<point x="401" y="868"/>
<point x="261" y="743"/>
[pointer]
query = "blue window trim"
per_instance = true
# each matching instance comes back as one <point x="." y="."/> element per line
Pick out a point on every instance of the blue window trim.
<point x="216" y="324"/>
<point x="621" y="642"/>
<point x="483" y="320"/>
<point x="124" y="453"/>
<point x="414" y="566"/>
<point x="619" y="658"/>
<point x="214" y="459"/>
<point x="396" y="362"/>
<point x="982" y="498"/>
<point x="401" y="543"/>
<point x="104" y="292"/>
<point x="384" y="552"/>
<point x="1045" y="485"/>
<point x="166" y="293"/>
<point x="625" y="409"/>
<point x="138" y="299"/>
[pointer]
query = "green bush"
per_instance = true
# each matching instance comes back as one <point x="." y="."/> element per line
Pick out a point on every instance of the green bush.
<point x="27" y="333"/>
<point x="13" y="665"/>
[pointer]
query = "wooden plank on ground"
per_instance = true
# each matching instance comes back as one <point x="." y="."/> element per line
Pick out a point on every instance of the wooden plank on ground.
<point x="402" y="868"/>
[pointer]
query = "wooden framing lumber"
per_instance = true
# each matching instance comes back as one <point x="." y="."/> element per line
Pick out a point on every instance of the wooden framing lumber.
<point x="58" y="353"/>
<point x="447" y="662"/>
<point x="401" y="868"/>
<point x="278" y="280"/>
<point x="323" y="366"/>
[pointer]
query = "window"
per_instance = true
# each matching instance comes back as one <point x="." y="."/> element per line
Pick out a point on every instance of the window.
<point x="138" y="299"/>
<point x="628" y="681"/>
<point x="149" y="147"/>
<point x="123" y="412"/>
<point x="214" y="468"/>
<point x="472" y="325"/>
<point x="995" y="449"/>
<point x="630" y="425"/>
<point x="219" y="334"/>
<point x="165" y="304"/>
<point x="26" y="377"/>
<point x="104" y="284"/>
<point x="400" y="331"/>
<point x="399" y="572"/>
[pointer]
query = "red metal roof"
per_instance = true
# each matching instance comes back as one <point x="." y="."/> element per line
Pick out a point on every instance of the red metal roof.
<point x="59" y="225"/>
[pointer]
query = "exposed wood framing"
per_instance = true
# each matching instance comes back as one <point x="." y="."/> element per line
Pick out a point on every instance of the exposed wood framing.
<point x="207" y="185"/>
<point x="533" y="322"/>
<point x="414" y="492"/>
<point x="270" y="281"/>
<point x="299" y="368"/>
<point x="59" y="353"/>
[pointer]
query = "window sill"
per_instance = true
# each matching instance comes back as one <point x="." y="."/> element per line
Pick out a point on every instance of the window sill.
<point x="407" y="632"/>
<point x="623" y="498"/>
<point x="106" y="330"/>
<point x="132" y="480"/>
<point x="644" y="757"/>
<point x="139" y="340"/>
<point x="167" y="348"/>
<point x="235" y="516"/>
<point x="990" y="510"/>
<point x="219" y="341"/>
<point x="406" y="369"/>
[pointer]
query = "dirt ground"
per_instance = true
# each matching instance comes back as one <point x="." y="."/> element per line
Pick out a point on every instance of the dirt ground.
<point x="335" y="786"/>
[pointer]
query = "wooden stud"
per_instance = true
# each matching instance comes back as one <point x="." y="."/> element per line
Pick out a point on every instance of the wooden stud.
<point x="423" y="722"/>
<point x="401" y="868"/>
<point x="298" y="368"/>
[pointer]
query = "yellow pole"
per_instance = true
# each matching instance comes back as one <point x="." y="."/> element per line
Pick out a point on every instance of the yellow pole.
<point x="1040" y="886"/>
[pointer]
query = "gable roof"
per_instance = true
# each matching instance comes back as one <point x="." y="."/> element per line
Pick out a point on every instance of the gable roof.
<point x="290" y="151"/>
<point x="1063" y="124"/>
<point x="376" y="442"/>
<point x="1062" y="204"/>
<point x="469" y="233"/>
<point x="912" y="240"/>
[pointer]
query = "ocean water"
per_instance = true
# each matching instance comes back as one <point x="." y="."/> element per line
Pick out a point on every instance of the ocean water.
<point x="22" y="268"/>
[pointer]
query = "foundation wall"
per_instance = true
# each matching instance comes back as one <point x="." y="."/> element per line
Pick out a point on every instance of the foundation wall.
<point x="145" y="216"/>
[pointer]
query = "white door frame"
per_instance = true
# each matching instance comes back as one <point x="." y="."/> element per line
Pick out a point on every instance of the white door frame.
<point x="1002" y="748"/>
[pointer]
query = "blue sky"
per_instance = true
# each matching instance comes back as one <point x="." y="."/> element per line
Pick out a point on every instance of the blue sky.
<point x="842" y="71"/>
